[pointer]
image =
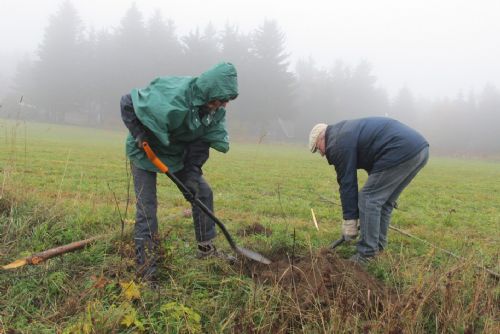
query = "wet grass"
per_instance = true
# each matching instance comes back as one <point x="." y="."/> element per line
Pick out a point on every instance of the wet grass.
<point x="60" y="184"/>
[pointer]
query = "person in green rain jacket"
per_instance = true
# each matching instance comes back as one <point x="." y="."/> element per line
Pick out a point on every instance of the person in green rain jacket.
<point x="180" y="118"/>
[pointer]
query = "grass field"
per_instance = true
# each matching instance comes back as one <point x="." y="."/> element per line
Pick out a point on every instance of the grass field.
<point x="61" y="184"/>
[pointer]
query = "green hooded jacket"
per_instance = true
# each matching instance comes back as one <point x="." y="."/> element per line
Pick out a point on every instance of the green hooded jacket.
<point x="170" y="109"/>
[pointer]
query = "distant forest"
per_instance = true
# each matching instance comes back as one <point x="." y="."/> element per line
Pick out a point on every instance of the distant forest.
<point x="79" y="75"/>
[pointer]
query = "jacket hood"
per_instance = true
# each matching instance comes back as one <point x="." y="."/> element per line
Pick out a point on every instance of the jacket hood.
<point x="218" y="83"/>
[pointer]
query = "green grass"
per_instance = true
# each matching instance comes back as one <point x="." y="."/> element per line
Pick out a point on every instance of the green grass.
<point x="60" y="184"/>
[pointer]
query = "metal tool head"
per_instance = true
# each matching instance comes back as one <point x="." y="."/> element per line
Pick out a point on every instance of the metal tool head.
<point x="252" y="255"/>
<point x="337" y="243"/>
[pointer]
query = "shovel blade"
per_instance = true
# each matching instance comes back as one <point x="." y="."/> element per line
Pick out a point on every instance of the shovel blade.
<point x="337" y="243"/>
<point x="252" y="255"/>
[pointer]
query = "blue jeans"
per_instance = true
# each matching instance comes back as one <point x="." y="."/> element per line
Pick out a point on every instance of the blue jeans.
<point x="377" y="198"/>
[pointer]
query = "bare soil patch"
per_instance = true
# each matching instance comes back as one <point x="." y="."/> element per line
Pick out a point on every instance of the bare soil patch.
<point x="321" y="281"/>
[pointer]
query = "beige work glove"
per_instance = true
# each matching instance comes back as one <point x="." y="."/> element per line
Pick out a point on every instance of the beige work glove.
<point x="350" y="229"/>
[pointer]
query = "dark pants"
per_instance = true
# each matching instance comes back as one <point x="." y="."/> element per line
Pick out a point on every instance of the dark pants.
<point x="146" y="222"/>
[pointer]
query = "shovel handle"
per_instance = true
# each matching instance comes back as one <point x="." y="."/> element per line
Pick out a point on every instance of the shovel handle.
<point x="153" y="158"/>
<point x="195" y="201"/>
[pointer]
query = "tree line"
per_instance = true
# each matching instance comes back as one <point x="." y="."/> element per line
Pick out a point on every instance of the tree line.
<point x="80" y="74"/>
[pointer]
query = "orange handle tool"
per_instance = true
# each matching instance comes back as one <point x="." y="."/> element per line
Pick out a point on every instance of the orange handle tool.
<point x="153" y="158"/>
<point x="196" y="201"/>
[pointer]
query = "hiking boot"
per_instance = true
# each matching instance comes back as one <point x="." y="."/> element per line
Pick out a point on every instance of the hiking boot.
<point x="360" y="259"/>
<point x="207" y="249"/>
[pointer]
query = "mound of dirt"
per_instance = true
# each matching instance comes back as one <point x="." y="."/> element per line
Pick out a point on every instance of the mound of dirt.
<point x="255" y="228"/>
<point x="323" y="280"/>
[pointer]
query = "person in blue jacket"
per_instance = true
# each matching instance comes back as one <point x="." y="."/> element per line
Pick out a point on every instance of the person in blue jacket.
<point x="391" y="153"/>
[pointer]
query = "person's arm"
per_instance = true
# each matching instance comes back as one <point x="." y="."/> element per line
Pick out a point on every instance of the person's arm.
<point x="217" y="136"/>
<point x="133" y="124"/>
<point x="347" y="178"/>
<point x="195" y="156"/>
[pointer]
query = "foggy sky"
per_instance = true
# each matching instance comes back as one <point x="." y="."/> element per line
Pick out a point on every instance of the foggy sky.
<point x="435" y="48"/>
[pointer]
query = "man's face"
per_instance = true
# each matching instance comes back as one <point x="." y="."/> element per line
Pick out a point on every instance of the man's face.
<point x="320" y="144"/>
<point x="216" y="104"/>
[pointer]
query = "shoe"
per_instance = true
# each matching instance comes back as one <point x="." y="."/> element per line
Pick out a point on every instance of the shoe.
<point x="208" y="250"/>
<point x="360" y="259"/>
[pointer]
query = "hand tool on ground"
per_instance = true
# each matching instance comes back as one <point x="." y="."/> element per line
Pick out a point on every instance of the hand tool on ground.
<point x="340" y="241"/>
<point x="195" y="201"/>
<point x="337" y="243"/>
<point x="40" y="257"/>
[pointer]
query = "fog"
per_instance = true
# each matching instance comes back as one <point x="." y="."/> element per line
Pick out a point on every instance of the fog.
<point x="431" y="64"/>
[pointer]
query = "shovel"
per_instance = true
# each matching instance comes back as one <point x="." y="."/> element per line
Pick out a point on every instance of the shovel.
<point x="337" y="243"/>
<point x="195" y="201"/>
<point x="340" y="241"/>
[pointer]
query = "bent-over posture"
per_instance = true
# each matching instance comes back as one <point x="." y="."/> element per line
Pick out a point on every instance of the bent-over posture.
<point x="391" y="152"/>
<point x="180" y="118"/>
